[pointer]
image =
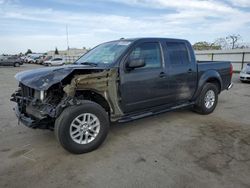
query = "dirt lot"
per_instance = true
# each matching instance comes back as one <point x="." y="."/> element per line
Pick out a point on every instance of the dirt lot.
<point x="176" y="149"/>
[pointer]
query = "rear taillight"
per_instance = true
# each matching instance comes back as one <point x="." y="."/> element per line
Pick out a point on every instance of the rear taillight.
<point x="231" y="70"/>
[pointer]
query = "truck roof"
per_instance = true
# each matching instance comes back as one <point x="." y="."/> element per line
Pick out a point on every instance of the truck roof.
<point x="149" y="38"/>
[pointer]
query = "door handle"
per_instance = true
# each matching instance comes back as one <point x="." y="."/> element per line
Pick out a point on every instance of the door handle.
<point x="162" y="75"/>
<point x="190" y="71"/>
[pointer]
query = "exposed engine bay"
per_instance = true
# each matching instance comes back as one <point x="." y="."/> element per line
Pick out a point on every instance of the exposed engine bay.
<point x="39" y="107"/>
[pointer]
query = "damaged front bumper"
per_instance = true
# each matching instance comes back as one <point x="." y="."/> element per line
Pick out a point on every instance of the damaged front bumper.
<point x="34" y="113"/>
<point x="30" y="114"/>
<point x="33" y="122"/>
<point x="28" y="121"/>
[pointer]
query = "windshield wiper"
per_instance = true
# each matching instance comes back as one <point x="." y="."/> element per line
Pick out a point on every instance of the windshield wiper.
<point x="89" y="63"/>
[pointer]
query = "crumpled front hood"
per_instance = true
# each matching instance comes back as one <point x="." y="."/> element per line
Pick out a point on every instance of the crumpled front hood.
<point x="43" y="78"/>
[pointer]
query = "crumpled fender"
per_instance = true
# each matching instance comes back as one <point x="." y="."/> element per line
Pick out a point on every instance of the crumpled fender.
<point x="44" y="78"/>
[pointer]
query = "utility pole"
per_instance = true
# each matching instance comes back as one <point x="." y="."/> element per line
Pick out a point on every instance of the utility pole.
<point x="67" y="36"/>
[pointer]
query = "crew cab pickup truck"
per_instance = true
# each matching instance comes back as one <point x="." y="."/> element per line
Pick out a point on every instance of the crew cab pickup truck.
<point x="120" y="81"/>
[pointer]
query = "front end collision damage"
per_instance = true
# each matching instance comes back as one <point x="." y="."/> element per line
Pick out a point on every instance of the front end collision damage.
<point x="104" y="83"/>
<point x="42" y="113"/>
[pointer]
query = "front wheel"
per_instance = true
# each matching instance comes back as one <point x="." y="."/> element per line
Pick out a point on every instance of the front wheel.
<point x="83" y="128"/>
<point x="207" y="100"/>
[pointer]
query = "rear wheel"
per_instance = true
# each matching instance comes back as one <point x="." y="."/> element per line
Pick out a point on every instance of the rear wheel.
<point x="83" y="128"/>
<point x="16" y="64"/>
<point x="207" y="100"/>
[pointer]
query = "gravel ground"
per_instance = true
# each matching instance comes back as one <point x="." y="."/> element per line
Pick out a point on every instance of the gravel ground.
<point x="175" y="149"/>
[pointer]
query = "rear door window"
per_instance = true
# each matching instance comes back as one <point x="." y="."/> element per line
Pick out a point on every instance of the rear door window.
<point x="178" y="53"/>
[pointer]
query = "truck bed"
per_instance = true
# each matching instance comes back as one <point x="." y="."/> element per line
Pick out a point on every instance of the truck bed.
<point x="222" y="67"/>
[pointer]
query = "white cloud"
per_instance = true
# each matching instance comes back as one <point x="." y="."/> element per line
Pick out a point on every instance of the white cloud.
<point x="191" y="19"/>
<point x="180" y="4"/>
<point x="39" y="43"/>
<point x="240" y="3"/>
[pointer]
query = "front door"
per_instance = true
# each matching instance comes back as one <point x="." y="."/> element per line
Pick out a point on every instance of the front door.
<point x="146" y="86"/>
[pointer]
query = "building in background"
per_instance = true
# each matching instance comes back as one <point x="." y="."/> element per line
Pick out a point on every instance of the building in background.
<point x="69" y="55"/>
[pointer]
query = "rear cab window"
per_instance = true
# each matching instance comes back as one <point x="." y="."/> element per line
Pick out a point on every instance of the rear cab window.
<point x="178" y="53"/>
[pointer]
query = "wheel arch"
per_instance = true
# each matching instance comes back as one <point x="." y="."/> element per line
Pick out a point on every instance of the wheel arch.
<point x="215" y="81"/>
<point x="94" y="96"/>
<point x="210" y="76"/>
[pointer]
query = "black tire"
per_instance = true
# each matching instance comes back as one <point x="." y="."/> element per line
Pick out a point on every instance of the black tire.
<point x="63" y="122"/>
<point x="200" y="106"/>
<point x="16" y="64"/>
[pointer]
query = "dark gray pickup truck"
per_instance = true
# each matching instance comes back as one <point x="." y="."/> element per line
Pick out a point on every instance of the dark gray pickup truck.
<point x="120" y="81"/>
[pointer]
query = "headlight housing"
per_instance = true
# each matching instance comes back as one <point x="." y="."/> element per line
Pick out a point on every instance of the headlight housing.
<point x="40" y="95"/>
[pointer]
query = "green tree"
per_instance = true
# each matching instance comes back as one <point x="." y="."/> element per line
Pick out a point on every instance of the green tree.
<point x="203" y="45"/>
<point x="56" y="52"/>
<point x="28" y="52"/>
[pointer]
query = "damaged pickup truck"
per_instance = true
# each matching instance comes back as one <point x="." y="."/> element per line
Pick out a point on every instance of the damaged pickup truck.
<point x="120" y="81"/>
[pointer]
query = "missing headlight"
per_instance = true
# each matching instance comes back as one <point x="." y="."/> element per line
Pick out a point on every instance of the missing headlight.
<point x="39" y="95"/>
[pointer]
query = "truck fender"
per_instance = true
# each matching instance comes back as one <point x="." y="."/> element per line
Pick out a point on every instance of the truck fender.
<point x="208" y="76"/>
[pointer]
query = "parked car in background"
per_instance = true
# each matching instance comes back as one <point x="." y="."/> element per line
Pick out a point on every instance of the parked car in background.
<point x="23" y="58"/>
<point x="43" y="59"/>
<point x="54" y="62"/>
<point x="10" y="61"/>
<point x="30" y="60"/>
<point x="33" y="58"/>
<point x="245" y="74"/>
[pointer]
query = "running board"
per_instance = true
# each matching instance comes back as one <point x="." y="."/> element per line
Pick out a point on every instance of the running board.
<point x="153" y="112"/>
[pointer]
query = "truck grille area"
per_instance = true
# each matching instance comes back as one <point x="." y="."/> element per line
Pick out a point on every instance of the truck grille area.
<point x="27" y="91"/>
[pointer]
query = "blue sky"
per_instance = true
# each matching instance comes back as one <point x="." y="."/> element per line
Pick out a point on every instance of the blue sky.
<point x="41" y="25"/>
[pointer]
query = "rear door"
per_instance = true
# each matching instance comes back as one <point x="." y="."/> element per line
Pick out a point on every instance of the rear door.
<point x="182" y="71"/>
<point x="147" y="86"/>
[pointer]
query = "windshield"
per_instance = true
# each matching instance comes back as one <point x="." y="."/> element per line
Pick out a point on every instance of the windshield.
<point x="105" y="53"/>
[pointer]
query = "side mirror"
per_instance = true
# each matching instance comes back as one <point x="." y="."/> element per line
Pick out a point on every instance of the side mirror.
<point x="135" y="63"/>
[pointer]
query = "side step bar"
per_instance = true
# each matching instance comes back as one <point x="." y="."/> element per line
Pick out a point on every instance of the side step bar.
<point x="151" y="112"/>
